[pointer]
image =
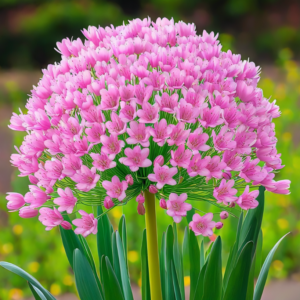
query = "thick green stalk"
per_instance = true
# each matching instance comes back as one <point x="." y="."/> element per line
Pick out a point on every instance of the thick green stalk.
<point x="152" y="247"/>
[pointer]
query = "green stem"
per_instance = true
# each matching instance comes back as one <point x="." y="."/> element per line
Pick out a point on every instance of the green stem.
<point x="152" y="247"/>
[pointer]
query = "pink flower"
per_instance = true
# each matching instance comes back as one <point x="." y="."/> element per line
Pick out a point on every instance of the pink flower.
<point x="148" y="113"/>
<point x="197" y="140"/>
<point x="115" y="188"/>
<point x="15" y="201"/>
<point x="82" y="147"/>
<point x="248" y="200"/>
<point x="175" y="79"/>
<point x="186" y="112"/>
<point x="28" y="212"/>
<point x="129" y="179"/>
<point x="71" y="164"/>
<point x="128" y="111"/>
<point x="210" y="117"/>
<point x="86" y="225"/>
<point x="176" y="206"/>
<point x="160" y="132"/>
<point x="93" y="115"/>
<point x="280" y="187"/>
<point x="178" y="135"/>
<point x="232" y="160"/>
<point x="167" y="103"/>
<point x="54" y="169"/>
<point x="224" y="215"/>
<point x="251" y="171"/>
<point x="85" y="178"/>
<point x="94" y="134"/>
<point x="141" y="209"/>
<point x="116" y="125"/>
<point x="215" y="167"/>
<point x="138" y="133"/>
<point x="108" y="203"/>
<point x="181" y="157"/>
<point x="52" y="218"/>
<point x="223" y="141"/>
<point x="127" y="92"/>
<point x="159" y="160"/>
<point x="163" y="175"/>
<point x="156" y="80"/>
<point x="198" y="166"/>
<point x="153" y="189"/>
<point x="244" y="140"/>
<point x="110" y="98"/>
<point x="163" y="203"/>
<point x="136" y="158"/>
<point x="102" y="161"/>
<point x="66" y="201"/>
<point x="140" y="198"/>
<point x="111" y="145"/>
<point x="69" y="126"/>
<point x="143" y="93"/>
<point x="36" y="197"/>
<point x="225" y="193"/>
<point x="202" y="225"/>
<point x="16" y="123"/>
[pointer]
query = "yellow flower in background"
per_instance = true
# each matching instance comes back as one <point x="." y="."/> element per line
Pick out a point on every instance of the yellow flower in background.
<point x="283" y="223"/>
<point x="117" y="212"/>
<point x="133" y="256"/>
<point x="15" y="294"/>
<point x="7" y="248"/>
<point x="187" y="280"/>
<point x="68" y="280"/>
<point x="33" y="267"/>
<point x="18" y="229"/>
<point x="277" y="265"/>
<point x="55" y="289"/>
<point x="286" y="136"/>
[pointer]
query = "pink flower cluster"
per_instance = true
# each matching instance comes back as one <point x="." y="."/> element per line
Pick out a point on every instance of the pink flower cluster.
<point x="146" y="105"/>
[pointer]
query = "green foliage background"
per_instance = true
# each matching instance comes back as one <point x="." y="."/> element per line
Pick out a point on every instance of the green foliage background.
<point x="264" y="30"/>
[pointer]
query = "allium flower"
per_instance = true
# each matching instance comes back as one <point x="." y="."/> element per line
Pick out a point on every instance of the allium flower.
<point x="15" y="201"/>
<point x="52" y="218"/>
<point x="86" y="225"/>
<point x="176" y="206"/>
<point x="140" y="107"/>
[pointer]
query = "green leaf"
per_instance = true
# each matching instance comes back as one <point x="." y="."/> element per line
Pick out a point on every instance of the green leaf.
<point x="169" y="258"/>
<point x="258" y="254"/>
<point x="112" y="289"/>
<point x="71" y="242"/>
<point x="213" y="274"/>
<point x="37" y="294"/>
<point x="145" y="269"/>
<point x="238" y="281"/>
<point x="116" y="261"/>
<point x="178" y="261"/>
<point x="104" y="242"/>
<point x="202" y="257"/>
<point x="200" y="283"/>
<point x="123" y="235"/>
<point x="85" y="280"/>
<point x="176" y="287"/>
<point x="189" y="215"/>
<point x="14" y="269"/>
<point x="162" y="265"/>
<point x="262" y="278"/>
<point x="194" y="254"/>
<point x="124" y="271"/>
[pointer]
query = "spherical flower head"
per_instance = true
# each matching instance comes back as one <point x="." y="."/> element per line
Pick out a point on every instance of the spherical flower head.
<point x="146" y="106"/>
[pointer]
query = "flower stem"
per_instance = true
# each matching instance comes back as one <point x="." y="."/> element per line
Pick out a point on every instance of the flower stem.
<point x="152" y="247"/>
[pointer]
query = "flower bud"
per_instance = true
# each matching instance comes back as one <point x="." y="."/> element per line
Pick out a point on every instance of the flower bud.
<point x="159" y="160"/>
<point x="226" y="175"/>
<point x="219" y="225"/>
<point x="15" y="201"/>
<point x="33" y="179"/>
<point x="141" y="209"/>
<point x="108" y="203"/>
<point x="232" y="204"/>
<point x="28" y="212"/>
<point x="153" y="189"/>
<point x="66" y="225"/>
<point x="129" y="179"/>
<point x="163" y="203"/>
<point x="224" y="215"/>
<point x="140" y="199"/>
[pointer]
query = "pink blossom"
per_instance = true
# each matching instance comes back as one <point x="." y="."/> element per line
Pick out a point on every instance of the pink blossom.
<point x="129" y="179"/>
<point x="115" y="188"/>
<point x="36" y="197"/>
<point x="128" y="111"/>
<point x="248" y="199"/>
<point x="181" y="157"/>
<point x="136" y="158"/>
<point x="82" y="147"/>
<point x="108" y="203"/>
<point x="53" y="144"/>
<point x="224" y="192"/>
<point x="54" y="169"/>
<point x="224" y="215"/>
<point x="28" y="212"/>
<point x="102" y="161"/>
<point x="163" y="203"/>
<point x="15" y="201"/>
<point x="210" y="117"/>
<point x="198" y="166"/>
<point x="110" y="98"/>
<point x="16" y="123"/>
<point x="176" y="206"/>
<point x="26" y="165"/>
<point x="186" y="112"/>
<point x="156" y="80"/>
<point x="69" y="126"/>
<point x="280" y="187"/>
<point x="223" y="141"/>
<point x="148" y="113"/>
<point x="167" y="103"/>
<point x="71" y="164"/>
<point x="143" y="93"/>
<point x="163" y="175"/>
<point x="93" y="115"/>
<point x="52" y="218"/>
<point x="244" y="140"/>
<point x="160" y="132"/>
<point x="141" y="209"/>
<point x="86" y="225"/>
<point x="251" y="171"/>
<point x="94" y="134"/>
<point x="85" y="178"/>
<point x="159" y="160"/>
<point x="116" y="125"/>
<point x="202" y="225"/>
<point x="138" y="133"/>
<point x="127" y="92"/>
<point x="178" y="134"/>
<point x="197" y="141"/>
<point x="232" y="160"/>
<point x="215" y="167"/>
<point x="153" y="189"/>
<point x="111" y="145"/>
<point x="140" y="198"/>
<point x="66" y="201"/>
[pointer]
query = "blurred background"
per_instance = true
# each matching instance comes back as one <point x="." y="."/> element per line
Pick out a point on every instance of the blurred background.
<point x="265" y="31"/>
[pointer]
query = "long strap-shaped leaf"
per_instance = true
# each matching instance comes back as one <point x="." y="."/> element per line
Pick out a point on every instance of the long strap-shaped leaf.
<point x="194" y="255"/>
<point x="26" y="276"/>
<point x="169" y="258"/>
<point x="213" y="274"/>
<point x="262" y="278"/>
<point x="176" y="287"/>
<point x="37" y="294"/>
<point x="85" y="280"/>
<point x="238" y="281"/>
<point x="145" y="271"/>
